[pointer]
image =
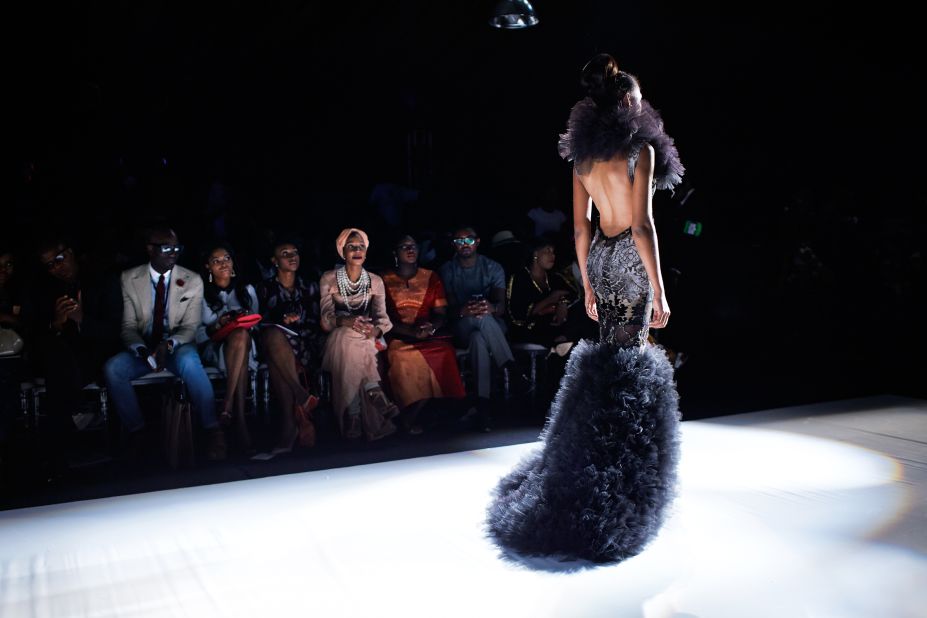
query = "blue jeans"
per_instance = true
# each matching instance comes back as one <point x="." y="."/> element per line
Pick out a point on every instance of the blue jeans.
<point x="121" y="369"/>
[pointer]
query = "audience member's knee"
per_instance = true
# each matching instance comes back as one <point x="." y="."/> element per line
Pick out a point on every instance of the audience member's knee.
<point x="238" y="338"/>
<point x="271" y="337"/>
<point x="477" y="339"/>
<point x="187" y="358"/>
<point x="114" y="368"/>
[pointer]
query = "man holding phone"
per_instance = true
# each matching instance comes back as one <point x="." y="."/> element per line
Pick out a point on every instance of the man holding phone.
<point x="77" y="321"/>
<point x="475" y="288"/>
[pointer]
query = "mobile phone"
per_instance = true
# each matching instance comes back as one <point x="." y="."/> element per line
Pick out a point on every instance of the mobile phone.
<point x="73" y="292"/>
<point x="476" y="298"/>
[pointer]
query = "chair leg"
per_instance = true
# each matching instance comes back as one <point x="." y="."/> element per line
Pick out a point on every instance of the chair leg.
<point x="252" y="387"/>
<point x="25" y="405"/>
<point x="36" y="405"/>
<point x="266" y="394"/>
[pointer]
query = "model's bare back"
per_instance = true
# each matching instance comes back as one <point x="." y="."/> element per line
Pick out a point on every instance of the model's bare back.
<point x="610" y="188"/>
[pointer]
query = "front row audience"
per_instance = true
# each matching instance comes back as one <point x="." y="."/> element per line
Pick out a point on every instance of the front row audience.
<point x="77" y="317"/>
<point x="353" y="303"/>
<point x="227" y="300"/>
<point x="290" y="344"/>
<point x="162" y="308"/>
<point x="174" y="319"/>
<point x="421" y="358"/>
<point x="475" y="287"/>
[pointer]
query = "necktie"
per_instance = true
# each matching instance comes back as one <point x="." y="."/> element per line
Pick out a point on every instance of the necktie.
<point x="157" y="324"/>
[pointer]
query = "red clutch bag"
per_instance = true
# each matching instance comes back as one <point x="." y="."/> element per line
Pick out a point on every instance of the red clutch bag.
<point x="241" y="321"/>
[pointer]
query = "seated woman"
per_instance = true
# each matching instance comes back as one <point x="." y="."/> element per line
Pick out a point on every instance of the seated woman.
<point x="289" y="345"/>
<point x="353" y="303"/>
<point x="226" y="297"/>
<point x="538" y="300"/>
<point x="422" y="365"/>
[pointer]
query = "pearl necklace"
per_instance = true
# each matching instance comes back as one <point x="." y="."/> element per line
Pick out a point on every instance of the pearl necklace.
<point x="356" y="295"/>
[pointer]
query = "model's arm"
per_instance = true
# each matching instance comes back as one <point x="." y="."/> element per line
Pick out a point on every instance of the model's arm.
<point x="582" y="235"/>
<point x="645" y="235"/>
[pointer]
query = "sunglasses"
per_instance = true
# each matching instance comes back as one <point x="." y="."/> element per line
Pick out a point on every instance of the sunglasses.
<point x="54" y="262"/>
<point x="469" y="241"/>
<point x="165" y="249"/>
<point x="407" y="247"/>
<point x="353" y="247"/>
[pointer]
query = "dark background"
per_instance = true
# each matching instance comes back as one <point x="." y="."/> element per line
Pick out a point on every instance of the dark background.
<point x="799" y="128"/>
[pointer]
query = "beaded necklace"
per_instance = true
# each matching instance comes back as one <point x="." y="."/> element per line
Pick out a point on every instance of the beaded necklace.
<point x="356" y="294"/>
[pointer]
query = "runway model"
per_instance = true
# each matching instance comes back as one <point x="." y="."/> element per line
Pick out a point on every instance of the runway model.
<point x="599" y="487"/>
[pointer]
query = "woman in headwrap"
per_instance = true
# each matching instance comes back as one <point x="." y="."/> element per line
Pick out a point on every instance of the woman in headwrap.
<point x="353" y="306"/>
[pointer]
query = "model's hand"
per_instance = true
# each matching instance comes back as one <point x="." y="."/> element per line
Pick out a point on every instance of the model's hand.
<point x="591" y="309"/>
<point x="661" y="312"/>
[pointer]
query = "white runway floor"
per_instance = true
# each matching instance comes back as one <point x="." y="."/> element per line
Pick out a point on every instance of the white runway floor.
<point x="816" y="511"/>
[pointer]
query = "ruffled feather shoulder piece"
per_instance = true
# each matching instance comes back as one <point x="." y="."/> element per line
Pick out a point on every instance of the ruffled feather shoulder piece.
<point x="595" y="134"/>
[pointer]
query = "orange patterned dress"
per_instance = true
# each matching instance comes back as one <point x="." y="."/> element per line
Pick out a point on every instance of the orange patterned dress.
<point x="419" y="368"/>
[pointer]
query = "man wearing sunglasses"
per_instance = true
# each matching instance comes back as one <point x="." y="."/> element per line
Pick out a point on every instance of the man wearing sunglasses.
<point x="475" y="288"/>
<point x="162" y="308"/>
<point x="78" y="313"/>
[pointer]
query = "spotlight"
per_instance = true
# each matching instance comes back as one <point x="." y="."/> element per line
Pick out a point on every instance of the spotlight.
<point x="513" y="15"/>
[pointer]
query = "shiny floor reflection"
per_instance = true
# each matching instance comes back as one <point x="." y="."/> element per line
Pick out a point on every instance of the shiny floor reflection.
<point x="770" y="521"/>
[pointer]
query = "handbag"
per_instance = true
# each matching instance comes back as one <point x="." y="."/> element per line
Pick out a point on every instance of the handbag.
<point x="239" y="321"/>
<point x="10" y="342"/>
<point x="176" y="431"/>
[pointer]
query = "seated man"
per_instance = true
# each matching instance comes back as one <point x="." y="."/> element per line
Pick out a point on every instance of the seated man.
<point x="475" y="288"/>
<point x="162" y="308"/>
<point x="78" y="314"/>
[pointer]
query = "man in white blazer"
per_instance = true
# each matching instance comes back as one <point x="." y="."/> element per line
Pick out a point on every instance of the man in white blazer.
<point x="162" y="308"/>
